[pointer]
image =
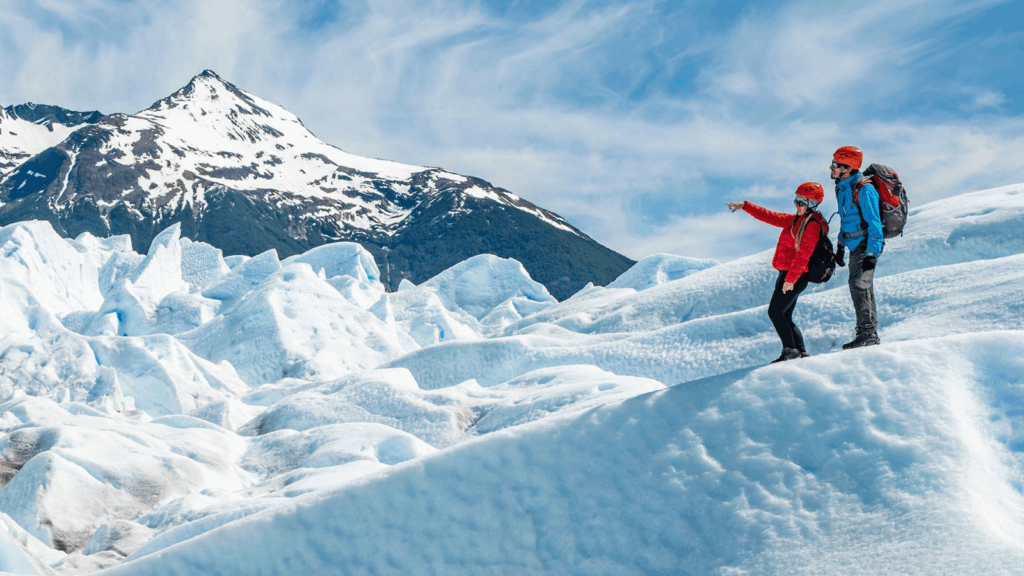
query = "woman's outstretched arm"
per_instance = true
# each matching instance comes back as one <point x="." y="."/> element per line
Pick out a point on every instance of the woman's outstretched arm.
<point x="763" y="214"/>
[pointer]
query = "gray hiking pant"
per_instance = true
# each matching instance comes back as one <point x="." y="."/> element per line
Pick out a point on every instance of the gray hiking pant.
<point x="862" y="291"/>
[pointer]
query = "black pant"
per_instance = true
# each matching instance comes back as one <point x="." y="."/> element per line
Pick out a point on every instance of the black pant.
<point x="780" y="311"/>
<point x="862" y="292"/>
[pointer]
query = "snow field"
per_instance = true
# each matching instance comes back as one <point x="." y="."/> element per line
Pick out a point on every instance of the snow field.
<point x="186" y="412"/>
<point x="903" y="459"/>
<point x="975" y="296"/>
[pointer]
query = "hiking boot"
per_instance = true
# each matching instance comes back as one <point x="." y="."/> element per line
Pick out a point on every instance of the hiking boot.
<point x="788" y="354"/>
<point x="804" y="354"/>
<point x="862" y="341"/>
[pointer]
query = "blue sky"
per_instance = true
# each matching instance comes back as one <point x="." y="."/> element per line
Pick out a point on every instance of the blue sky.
<point x="636" y="120"/>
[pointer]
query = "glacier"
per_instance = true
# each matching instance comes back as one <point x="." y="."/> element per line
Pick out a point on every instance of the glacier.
<point x="182" y="411"/>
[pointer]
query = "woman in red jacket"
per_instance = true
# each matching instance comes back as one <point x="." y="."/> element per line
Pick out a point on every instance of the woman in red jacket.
<point x="799" y="236"/>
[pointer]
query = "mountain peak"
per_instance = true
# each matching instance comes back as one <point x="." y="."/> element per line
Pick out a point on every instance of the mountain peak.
<point x="210" y="91"/>
<point x="212" y="79"/>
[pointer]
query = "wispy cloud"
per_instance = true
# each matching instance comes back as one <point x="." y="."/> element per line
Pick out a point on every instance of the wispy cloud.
<point x="983" y="98"/>
<point x="635" y="120"/>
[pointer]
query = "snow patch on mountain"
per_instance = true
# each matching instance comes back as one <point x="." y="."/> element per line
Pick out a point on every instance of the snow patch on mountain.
<point x="21" y="139"/>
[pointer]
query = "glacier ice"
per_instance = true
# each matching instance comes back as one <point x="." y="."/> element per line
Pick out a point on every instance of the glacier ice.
<point x="183" y="410"/>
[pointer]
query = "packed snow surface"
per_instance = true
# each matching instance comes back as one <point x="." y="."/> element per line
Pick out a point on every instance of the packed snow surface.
<point x="181" y="412"/>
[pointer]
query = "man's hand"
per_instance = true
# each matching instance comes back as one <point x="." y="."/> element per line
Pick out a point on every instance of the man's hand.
<point x="869" y="263"/>
<point x="734" y="206"/>
<point x="786" y="287"/>
<point x="841" y="255"/>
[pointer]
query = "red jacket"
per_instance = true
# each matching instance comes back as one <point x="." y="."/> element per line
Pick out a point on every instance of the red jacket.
<point x="787" y="255"/>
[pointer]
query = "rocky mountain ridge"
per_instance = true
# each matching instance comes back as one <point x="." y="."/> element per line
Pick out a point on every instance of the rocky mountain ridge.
<point x="245" y="175"/>
<point x="27" y="129"/>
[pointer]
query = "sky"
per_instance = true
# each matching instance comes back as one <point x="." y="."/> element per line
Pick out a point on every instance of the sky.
<point x="636" y="121"/>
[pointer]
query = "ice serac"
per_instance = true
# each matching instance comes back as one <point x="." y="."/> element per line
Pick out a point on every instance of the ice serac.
<point x="245" y="176"/>
<point x="73" y="478"/>
<point x="478" y="296"/>
<point x="13" y="559"/>
<point x="41" y="272"/>
<point x="292" y="324"/>
<point x="658" y="269"/>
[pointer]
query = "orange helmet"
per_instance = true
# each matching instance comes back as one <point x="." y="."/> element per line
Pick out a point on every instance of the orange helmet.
<point x="850" y="156"/>
<point x="811" y="194"/>
<point x="811" y="191"/>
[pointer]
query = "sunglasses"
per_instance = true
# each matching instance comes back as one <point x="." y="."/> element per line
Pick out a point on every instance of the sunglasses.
<point x="799" y="202"/>
<point x="837" y="165"/>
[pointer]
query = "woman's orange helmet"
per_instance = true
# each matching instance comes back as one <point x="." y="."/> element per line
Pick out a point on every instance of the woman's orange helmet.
<point x="811" y="191"/>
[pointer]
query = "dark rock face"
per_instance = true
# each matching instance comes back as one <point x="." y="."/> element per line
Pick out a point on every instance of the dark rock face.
<point x="260" y="181"/>
<point x="435" y="240"/>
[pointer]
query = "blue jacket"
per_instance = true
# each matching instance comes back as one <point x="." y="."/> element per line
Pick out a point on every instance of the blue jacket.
<point x="851" y="222"/>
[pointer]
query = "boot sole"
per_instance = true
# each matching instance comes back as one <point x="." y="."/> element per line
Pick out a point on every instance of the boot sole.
<point x="846" y="347"/>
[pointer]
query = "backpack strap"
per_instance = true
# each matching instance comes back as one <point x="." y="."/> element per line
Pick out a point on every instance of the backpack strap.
<point x="855" y="187"/>
<point x="822" y="223"/>
<point x="811" y="215"/>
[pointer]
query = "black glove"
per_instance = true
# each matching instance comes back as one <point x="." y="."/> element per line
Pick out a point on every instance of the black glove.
<point x="869" y="263"/>
<point x="841" y="256"/>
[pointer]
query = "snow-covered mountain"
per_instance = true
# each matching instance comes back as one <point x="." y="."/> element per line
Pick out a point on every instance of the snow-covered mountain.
<point x="245" y="175"/>
<point x="28" y="129"/>
<point x="185" y="412"/>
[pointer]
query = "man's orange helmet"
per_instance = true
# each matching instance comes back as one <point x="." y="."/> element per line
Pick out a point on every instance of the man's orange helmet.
<point x="850" y="156"/>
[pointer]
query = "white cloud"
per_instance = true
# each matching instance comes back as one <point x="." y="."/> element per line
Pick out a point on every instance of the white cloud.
<point x="806" y="54"/>
<point x="721" y="235"/>
<point x="984" y="98"/>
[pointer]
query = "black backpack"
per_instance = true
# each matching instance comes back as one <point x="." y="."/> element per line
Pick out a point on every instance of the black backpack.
<point x="892" y="199"/>
<point x="822" y="263"/>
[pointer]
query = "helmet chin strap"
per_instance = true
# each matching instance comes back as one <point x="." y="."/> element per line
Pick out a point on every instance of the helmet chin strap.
<point x="842" y="176"/>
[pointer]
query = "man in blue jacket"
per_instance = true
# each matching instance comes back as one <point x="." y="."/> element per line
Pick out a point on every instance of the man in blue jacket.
<point x="861" y="233"/>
